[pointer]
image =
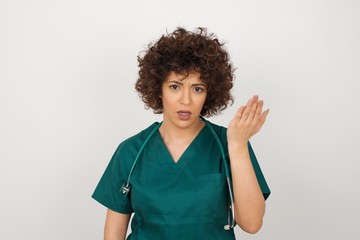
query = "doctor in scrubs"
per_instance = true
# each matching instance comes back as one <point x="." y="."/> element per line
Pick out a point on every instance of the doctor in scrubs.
<point x="186" y="178"/>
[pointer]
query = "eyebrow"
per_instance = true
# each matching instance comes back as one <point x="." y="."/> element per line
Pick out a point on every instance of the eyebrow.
<point x="180" y="83"/>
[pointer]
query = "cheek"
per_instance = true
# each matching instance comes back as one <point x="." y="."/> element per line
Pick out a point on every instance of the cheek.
<point x="166" y="100"/>
<point x="204" y="99"/>
<point x="201" y="102"/>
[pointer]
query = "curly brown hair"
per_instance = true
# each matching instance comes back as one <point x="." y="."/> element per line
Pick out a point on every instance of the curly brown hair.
<point x="183" y="51"/>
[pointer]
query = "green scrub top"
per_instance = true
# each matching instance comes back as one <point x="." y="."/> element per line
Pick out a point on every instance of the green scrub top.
<point x="186" y="200"/>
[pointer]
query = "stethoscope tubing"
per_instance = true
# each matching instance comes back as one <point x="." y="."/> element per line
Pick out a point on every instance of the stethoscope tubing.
<point x="125" y="189"/>
<point x="231" y="222"/>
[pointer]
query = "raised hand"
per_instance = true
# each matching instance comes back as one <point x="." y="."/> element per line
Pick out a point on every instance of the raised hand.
<point x="247" y="122"/>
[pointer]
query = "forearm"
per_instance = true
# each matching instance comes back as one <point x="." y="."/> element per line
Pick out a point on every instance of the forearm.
<point x="249" y="201"/>
<point x="116" y="225"/>
<point x="110" y="235"/>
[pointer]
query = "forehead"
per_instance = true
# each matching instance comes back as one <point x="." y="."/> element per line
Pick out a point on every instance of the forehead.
<point x="193" y="77"/>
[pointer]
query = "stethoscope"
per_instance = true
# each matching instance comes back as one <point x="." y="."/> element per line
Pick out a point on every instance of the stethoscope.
<point x="126" y="187"/>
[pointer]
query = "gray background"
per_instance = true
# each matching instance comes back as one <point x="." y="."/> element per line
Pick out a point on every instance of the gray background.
<point x="67" y="71"/>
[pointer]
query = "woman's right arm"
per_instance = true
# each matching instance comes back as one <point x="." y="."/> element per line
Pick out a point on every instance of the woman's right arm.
<point x="116" y="225"/>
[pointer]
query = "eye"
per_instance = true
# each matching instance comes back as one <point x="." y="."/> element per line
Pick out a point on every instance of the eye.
<point x="198" y="89"/>
<point x="174" y="86"/>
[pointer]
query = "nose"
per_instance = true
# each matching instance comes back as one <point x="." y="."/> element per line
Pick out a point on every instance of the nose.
<point x="185" y="97"/>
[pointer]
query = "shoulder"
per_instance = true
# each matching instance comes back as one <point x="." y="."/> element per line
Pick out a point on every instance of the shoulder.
<point x="220" y="132"/>
<point x="136" y="141"/>
<point x="128" y="149"/>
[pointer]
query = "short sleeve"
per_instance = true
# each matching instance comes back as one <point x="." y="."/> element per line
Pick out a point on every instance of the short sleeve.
<point x="108" y="189"/>
<point x="259" y="175"/>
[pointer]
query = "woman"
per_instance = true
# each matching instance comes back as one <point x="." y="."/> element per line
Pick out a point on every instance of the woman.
<point x="173" y="175"/>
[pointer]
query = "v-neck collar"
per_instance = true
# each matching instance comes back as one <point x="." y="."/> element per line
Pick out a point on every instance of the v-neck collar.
<point x="188" y="154"/>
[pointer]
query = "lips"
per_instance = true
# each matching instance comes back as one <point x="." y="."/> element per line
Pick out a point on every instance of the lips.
<point x="184" y="115"/>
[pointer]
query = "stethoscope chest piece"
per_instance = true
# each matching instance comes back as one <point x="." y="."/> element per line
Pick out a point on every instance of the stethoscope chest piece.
<point x="125" y="189"/>
<point x="227" y="227"/>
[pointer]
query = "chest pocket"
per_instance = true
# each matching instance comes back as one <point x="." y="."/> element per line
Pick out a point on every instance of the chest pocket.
<point x="212" y="196"/>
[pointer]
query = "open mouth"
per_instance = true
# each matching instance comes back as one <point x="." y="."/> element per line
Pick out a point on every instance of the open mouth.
<point x="184" y="113"/>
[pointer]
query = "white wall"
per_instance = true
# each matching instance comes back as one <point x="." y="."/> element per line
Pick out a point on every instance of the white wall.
<point x="67" y="70"/>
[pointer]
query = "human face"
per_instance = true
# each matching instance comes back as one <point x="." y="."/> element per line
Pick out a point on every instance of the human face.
<point x="183" y="97"/>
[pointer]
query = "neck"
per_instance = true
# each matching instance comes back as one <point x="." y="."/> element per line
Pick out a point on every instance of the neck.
<point x="169" y="132"/>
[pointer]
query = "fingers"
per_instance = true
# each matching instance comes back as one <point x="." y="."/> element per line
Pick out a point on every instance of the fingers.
<point x="248" y="120"/>
<point x="250" y="108"/>
<point x="240" y="112"/>
<point x="252" y="111"/>
<point x="263" y="117"/>
<point x="259" y="109"/>
<point x="254" y="106"/>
